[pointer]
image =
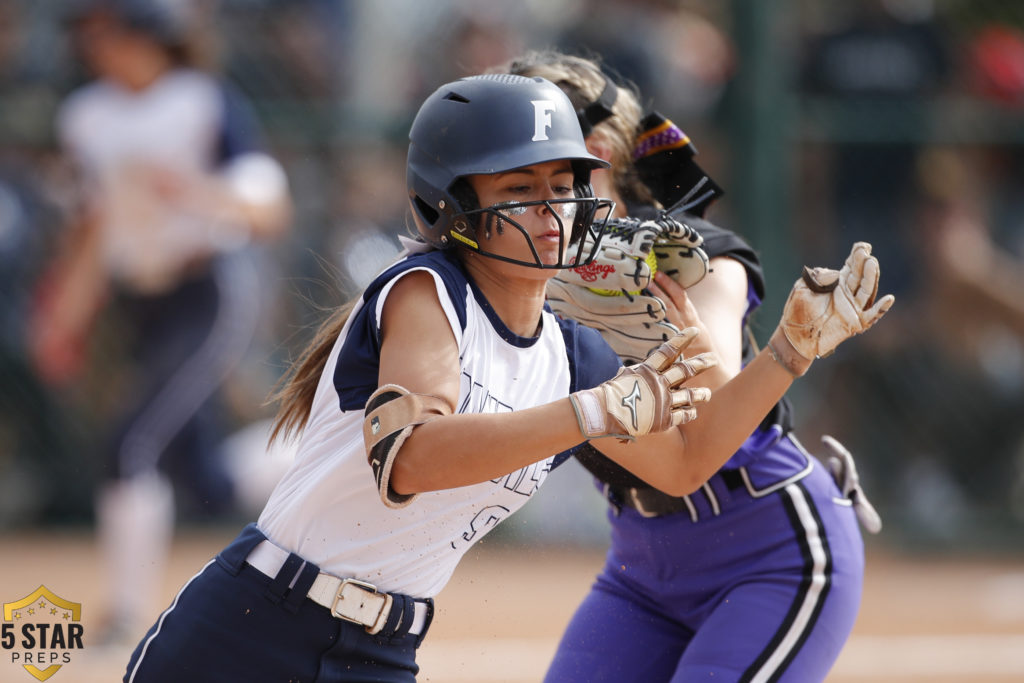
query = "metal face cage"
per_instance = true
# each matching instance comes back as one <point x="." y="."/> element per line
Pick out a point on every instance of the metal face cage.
<point x="589" y="217"/>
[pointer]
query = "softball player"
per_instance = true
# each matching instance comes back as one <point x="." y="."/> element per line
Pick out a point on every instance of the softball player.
<point x="175" y="186"/>
<point x="757" y="575"/>
<point x="434" y="408"/>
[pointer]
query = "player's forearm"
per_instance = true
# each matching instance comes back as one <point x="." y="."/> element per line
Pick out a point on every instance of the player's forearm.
<point x="249" y="198"/>
<point x="679" y="466"/>
<point x="733" y="413"/>
<point x="82" y="281"/>
<point x="260" y="218"/>
<point x="464" y="449"/>
<point x="717" y="376"/>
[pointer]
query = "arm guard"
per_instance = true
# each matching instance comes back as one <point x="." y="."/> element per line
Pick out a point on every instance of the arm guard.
<point x="392" y="412"/>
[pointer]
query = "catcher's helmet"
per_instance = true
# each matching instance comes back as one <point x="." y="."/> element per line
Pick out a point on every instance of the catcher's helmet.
<point x="491" y="124"/>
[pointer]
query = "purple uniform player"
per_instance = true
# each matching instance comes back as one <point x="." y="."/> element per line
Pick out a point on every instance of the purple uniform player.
<point x="757" y="575"/>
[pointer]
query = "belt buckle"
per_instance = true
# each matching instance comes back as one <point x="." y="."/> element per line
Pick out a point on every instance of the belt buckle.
<point x="379" y="620"/>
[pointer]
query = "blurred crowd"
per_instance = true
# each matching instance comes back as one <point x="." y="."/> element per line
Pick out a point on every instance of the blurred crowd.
<point x="904" y="126"/>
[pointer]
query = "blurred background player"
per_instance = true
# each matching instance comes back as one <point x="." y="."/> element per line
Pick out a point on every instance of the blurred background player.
<point x="175" y="189"/>
<point x="758" y="574"/>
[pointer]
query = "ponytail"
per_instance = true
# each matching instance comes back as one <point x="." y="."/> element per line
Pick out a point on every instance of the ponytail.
<point x="295" y="391"/>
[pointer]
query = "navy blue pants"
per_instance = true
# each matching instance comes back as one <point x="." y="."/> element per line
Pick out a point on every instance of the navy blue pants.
<point x="184" y="343"/>
<point x="233" y="623"/>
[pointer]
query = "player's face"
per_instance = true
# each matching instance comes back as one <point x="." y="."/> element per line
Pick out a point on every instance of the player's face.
<point x="112" y="51"/>
<point x="549" y="232"/>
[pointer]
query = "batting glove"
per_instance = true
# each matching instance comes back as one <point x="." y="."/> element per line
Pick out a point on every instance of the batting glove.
<point x="646" y="397"/>
<point x="826" y="307"/>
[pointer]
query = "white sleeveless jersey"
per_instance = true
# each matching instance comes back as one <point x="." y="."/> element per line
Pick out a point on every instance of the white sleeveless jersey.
<point x="186" y="124"/>
<point x="327" y="508"/>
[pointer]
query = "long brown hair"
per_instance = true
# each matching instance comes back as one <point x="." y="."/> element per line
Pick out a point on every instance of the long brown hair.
<point x="295" y="391"/>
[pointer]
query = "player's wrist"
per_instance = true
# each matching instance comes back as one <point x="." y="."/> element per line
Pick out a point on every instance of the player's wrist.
<point x="591" y="416"/>
<point x="786" y="355"/>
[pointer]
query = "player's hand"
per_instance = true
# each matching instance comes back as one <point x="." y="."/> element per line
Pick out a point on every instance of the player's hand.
<point x="679" y="308"/>
<point x="646" y="397"/>
<point x="826" y="307"/>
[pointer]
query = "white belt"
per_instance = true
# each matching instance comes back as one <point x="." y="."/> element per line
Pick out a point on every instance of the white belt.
<point x="348" y="599"/>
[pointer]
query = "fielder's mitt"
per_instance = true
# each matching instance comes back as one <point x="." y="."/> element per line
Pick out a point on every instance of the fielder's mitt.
<point x="679" y="253"/>
<point x="609" y="293"/>
<point x="623" y="262"/>
<point x="633" y="324"/>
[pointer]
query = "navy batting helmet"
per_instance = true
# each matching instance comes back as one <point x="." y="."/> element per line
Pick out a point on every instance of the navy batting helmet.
<point x="492" y="124"/>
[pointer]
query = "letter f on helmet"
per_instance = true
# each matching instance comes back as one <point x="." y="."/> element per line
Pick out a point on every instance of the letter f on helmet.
<point x="541" y="118"/>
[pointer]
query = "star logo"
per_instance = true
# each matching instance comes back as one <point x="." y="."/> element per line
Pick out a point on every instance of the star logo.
<point x="630" y="402"/>
<point x="41" y="633"/>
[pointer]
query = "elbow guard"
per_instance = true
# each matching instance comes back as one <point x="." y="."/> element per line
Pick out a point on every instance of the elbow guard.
<point x="391" y="414"/>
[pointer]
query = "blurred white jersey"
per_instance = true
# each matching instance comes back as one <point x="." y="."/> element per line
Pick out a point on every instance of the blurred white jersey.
<point x="148" y="158"/>
<point x="327" y="508"/>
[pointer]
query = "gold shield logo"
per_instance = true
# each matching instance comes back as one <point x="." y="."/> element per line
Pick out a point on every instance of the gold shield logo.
<point x="40" y="631"/>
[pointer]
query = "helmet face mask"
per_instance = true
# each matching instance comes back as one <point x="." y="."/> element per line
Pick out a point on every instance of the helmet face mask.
<point x="579" y="238"/>
<point x="492" y="124"/>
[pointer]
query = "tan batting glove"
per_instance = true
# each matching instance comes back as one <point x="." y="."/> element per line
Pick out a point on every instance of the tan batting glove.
<point x="826" y="307"/>
<point x="645" y="397"/>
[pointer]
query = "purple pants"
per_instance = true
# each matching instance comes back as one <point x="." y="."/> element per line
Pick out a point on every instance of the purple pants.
<point x="752" y="583"/>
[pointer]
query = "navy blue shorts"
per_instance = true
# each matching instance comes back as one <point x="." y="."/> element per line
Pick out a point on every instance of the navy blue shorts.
<point x="231" y="622"/>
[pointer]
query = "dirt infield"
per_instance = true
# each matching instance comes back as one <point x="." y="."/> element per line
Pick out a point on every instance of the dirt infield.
<point x="934" y="619"/>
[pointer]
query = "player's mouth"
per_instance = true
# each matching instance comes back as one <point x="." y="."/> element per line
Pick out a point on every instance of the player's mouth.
<point x="554" y="236"/>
